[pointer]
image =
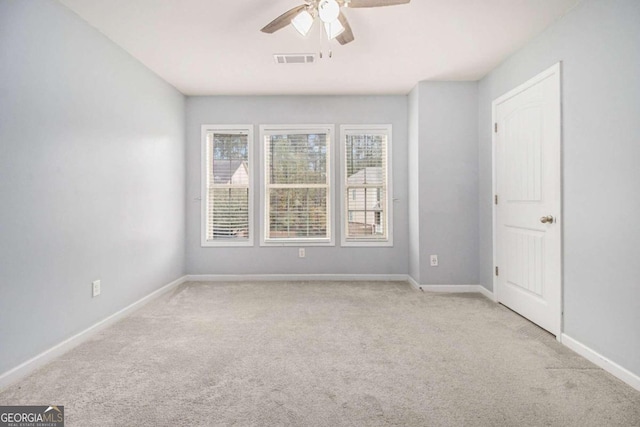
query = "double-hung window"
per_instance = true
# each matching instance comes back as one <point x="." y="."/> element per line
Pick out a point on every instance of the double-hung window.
<point x="366" y="189"/>
<point x="226" y="185"/>
<point x="297" y="185"/>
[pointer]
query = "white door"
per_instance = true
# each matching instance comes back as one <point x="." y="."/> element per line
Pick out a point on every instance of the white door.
<point x="528" y="234"/>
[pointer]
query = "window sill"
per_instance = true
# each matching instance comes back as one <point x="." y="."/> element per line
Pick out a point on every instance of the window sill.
<point x="289" y="243"/>
<point x="226" y="244"/>
<point x="367" y="243"/>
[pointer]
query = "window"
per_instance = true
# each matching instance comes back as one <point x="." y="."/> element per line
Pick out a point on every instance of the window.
<point x="366" y="190"/>
<point x="226" y="185"/>
<point x="296" y="200"/>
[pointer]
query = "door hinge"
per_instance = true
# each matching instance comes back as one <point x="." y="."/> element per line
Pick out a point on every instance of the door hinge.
<point x="495" y="199"/>
<point x="495" y="127"/>
<point x="497" y="271"/>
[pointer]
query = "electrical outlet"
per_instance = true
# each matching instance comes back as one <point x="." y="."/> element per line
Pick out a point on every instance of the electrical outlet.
<point x="434" y="260"/>
<point x="301" y="253"/>
<point x="95" y="287"/>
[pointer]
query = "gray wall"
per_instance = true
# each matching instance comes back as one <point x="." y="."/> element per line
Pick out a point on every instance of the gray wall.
<point x="447" y="180"/>
<point x="297" y="110"/>
<point x="598" y="45"/>
<point x="91" y="178"/>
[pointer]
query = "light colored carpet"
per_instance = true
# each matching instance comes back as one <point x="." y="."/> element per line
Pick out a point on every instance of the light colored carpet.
<point x="326" y="354"/>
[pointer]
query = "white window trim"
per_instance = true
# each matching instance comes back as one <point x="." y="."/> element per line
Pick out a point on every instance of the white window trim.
<point x="344" y="241"/>
<point x="203" y="186"/>
<point x="272" y="129"/>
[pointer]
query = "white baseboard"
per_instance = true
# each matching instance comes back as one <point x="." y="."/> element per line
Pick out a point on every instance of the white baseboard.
<point x="487" y="293"/>
<point x="452" y="288"/>
<point x="26" y="368"/>
<point x="413" y="283"/>
<point x="296" y="277"/>
<point x="607" y="364"/>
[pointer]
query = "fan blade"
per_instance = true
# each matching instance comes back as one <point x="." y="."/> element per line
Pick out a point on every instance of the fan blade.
<point x="283" y="20"/>
<point x="347" y="35"/>
<point x="376" y="3"/>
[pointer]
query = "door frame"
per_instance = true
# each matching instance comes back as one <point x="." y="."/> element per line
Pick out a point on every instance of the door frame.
<point x="556" y="70"/>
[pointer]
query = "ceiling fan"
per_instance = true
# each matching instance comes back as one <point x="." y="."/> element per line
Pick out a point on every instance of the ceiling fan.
<point x="335" y="23"/>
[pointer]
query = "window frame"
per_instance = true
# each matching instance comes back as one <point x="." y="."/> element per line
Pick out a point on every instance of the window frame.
<point x="346" y="241"/>
<point x="205" y="130"/>
<point x="265" y="130"/>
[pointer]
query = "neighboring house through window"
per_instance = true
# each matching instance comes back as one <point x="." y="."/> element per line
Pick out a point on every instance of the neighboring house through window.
<point x="366" y="190"/>
<point x="226" y="185"/>
<point x="297" y="185"/>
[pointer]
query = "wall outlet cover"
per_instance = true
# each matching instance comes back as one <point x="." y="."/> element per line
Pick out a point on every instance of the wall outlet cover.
<point x="95" y="287"/>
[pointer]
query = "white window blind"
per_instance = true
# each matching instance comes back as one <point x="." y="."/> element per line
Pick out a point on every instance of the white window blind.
<point x="365" y="195"/>
<point x="297" y="186"/>
<point x="226" y="185"/>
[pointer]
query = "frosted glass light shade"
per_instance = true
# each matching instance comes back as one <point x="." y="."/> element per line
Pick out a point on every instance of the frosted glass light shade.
<point x="303" y="22"/>
<point x="333" y="29"/>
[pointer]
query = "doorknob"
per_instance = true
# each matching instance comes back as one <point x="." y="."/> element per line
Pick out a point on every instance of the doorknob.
<point x="547" y="219"/>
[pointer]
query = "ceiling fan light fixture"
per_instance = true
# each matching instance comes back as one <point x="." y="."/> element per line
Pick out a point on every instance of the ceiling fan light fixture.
<point x="328" y="10"/>
<point x="303" y="22"/>
<point x="333" y="29"/>
<point x="335" y="23"/>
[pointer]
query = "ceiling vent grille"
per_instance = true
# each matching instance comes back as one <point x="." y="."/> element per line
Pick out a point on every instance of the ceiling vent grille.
<point x="295" y="58"/>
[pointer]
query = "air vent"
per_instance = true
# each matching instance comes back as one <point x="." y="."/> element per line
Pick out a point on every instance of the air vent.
<point x="295" y="58"/>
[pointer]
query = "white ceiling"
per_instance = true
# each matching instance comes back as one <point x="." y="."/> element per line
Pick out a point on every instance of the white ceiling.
<point x="215" y="47"/>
